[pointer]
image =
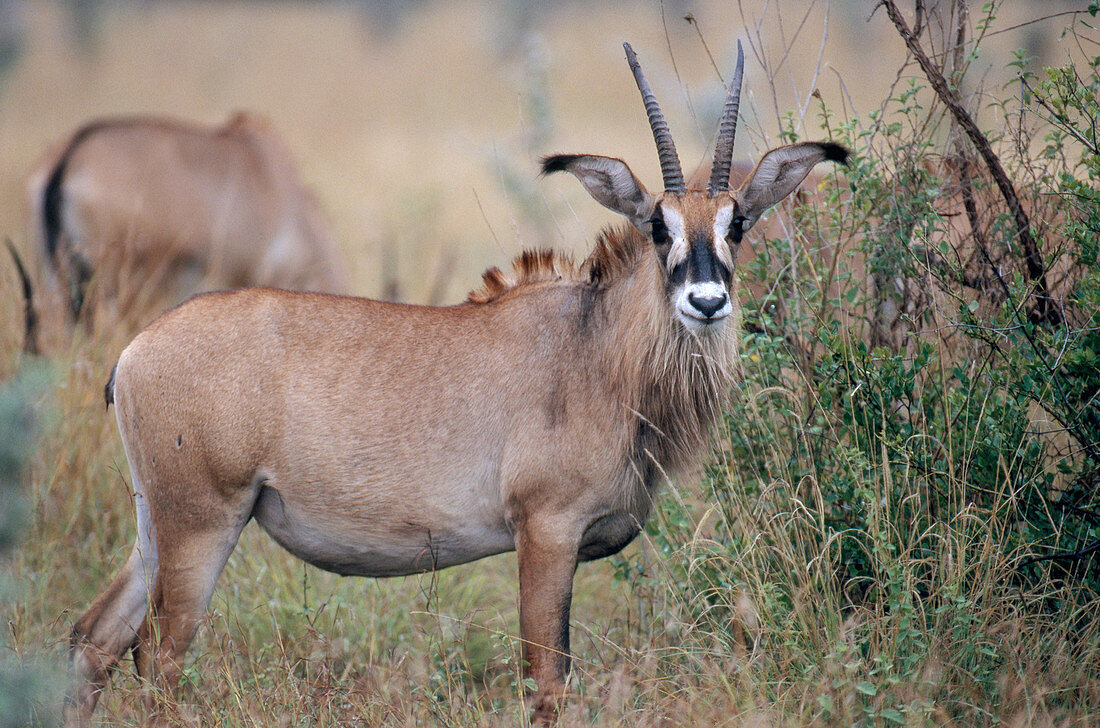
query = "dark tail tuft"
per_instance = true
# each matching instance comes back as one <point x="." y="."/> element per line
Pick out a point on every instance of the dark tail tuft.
<point x="52" y="198"/>
<point x="835" y="152"/>
<point x="30" y="316"/>
<point x="53" y="202"/>
<point x="557" y="162"/>
<point x="109" y="388"/>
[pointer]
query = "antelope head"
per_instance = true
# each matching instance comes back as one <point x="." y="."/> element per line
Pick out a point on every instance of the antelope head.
<point x="696" y="233"/>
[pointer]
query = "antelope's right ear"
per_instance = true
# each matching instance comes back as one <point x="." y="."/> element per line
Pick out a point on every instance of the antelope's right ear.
<point x="610" y="182"/>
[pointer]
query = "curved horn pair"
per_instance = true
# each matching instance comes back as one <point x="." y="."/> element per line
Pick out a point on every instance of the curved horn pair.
<point x="666" y="148"/>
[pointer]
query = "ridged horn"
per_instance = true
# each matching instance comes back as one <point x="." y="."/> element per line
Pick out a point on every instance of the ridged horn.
<point x="666" y="148"/>
<point x="727" y="130"/>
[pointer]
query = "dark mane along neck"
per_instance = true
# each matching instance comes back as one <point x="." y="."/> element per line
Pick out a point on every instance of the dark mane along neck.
<point x="674" y="382"/>
<point x="618" y="254"/>
<point x="671" y="382"/>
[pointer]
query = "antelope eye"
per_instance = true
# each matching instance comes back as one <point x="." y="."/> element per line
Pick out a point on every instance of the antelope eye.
<point x="660" y="232"/>
<point x="737" y="229"/>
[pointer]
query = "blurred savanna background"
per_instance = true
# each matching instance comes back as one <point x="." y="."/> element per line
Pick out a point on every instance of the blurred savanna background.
<point x="898" y="522"/>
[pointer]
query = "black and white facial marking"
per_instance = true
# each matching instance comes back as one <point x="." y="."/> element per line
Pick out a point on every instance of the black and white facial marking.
<point x="699" y="262"/>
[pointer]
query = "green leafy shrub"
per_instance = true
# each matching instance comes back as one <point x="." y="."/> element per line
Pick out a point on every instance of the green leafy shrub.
<point x="909" y="468"/>
<point x="27" y="687"/>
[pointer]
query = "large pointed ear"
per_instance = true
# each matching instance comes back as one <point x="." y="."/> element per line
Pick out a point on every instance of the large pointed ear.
<point x="779" y="173"/>
<point x="610" y="182"/>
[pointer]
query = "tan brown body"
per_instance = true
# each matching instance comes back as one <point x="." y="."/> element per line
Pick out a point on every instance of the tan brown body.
<point x="456" y="419"/>
<point x="137" y="203"/>
<point x="378" y="439"/>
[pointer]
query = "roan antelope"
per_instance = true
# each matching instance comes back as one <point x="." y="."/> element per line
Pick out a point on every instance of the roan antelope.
<point x="143" y="201"/>
<point x="380" y="439"/>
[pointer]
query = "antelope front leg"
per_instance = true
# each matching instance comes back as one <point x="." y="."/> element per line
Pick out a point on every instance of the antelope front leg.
<point x="547" y="561"/>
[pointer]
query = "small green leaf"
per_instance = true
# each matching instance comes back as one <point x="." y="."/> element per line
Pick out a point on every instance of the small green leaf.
<point x="894" y="716"/>
<point x="866" y="688"/>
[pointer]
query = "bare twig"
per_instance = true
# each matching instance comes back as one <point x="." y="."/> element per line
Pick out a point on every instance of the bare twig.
<point x="959" y="55"/>
<point x="485" y="218"/>
<point x="814" y="93"/>
<point x="1046" y="308"/>
<point x="679" y="79"/>
<point x="757" y="48"/>
<point x="699" y="31"/>
<point x="966" y="186"/>
<point x="1034" y="21"/>
<point x="1074" y="556"/>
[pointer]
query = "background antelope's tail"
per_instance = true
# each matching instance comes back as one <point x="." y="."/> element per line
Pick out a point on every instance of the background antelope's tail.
<point x="48" y="213"/>
<point x="45" y="199"/>
<point x="30" y="316"/>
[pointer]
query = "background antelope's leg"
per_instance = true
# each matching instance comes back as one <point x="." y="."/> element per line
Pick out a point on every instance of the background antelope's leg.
<point x="547" y="561"/>
<point x="190" y="563"/>
<point x="105" y="632"/>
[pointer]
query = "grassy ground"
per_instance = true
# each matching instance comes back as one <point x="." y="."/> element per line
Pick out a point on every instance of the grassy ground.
<point x="421" y="143"/>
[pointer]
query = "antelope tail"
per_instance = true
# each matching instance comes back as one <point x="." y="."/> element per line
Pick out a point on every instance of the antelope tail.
<point x="75" y="273"/>
<point x="109" y="388"/>
<point x="51" y="208"/>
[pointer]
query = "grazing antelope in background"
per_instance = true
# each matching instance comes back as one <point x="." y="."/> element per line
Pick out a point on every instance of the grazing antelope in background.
<point x="130" y="199"/>
<point x="380" y="439"/>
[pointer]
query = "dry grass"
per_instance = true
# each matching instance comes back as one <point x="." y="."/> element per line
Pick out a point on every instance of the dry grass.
<point x="418" y="140"/>
<point x="418" y="145"/>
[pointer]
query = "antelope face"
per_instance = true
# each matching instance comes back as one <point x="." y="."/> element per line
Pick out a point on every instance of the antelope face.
<point x="696" y="239"/>
<point x="696" y="233"/>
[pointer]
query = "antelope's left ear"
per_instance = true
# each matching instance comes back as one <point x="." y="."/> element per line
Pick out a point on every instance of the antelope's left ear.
<point x="610" y="182"/>
<point x="779" y="173"/>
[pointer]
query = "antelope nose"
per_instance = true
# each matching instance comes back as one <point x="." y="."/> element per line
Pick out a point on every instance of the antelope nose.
<point x="707" y="305"/>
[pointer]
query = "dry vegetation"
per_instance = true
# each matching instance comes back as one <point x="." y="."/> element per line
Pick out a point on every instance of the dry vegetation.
<point x="745" y="603"/>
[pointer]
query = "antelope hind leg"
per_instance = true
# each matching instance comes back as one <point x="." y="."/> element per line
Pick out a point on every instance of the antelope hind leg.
<point x="189" y="568"/>
<point x="105" y="632"/>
